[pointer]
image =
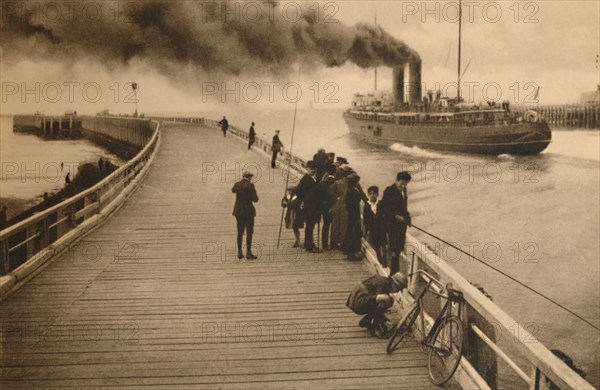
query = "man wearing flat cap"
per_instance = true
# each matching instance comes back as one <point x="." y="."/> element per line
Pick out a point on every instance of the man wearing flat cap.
<point x="244" y="213"/>
<point x="394" y="206"/>
<point x="309" y="192"/>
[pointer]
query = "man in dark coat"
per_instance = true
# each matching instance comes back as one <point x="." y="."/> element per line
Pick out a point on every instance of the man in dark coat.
<point x="394" y="205"/>
<point x="244" y="212"/>
<point x="276" y="147"/>
<point x="371" y="298"/>
<point x="224" y="125"/>
<point x="374" y="225"/>
<point x="352" y="238"/>
<point x="327" y="204"/>
<point x="320" y="159"/>
<point x="251" y="136"/>
<point x="309" y="192"/>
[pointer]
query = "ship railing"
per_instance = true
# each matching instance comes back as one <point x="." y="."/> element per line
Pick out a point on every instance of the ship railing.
<point x="26" y="245"/>
<point x="486" y="321"/>
<point x="432" y="121"/>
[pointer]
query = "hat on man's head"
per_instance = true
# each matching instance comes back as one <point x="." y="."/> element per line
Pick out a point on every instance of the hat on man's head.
<point x="310" y="164"/>
<point x="277" y="131"/>
<point x="248" y="174"/>
<point x="331" y="168"/>
<point x="353" y="177"/>
<point x="347" y="168"/>
<point x="404" y="175"/>
<point x="331" y="154"/>
<point x="399" y="280"/>
<point x="342" y="160"/>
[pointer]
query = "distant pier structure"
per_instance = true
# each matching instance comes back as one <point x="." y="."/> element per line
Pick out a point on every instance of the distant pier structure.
<point x="585" y="115"/>
<point x="67" y="125"/>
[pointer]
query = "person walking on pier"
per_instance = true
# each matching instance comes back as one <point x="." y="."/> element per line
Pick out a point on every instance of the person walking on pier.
<point x="251" y="136"/>
<point x="308" y="191"/>
<point x="371" y="298"/>
<point x="276" y="147"/>
<point x="244" y="213"/>
<point x="394" y="205"/>
<point x="224" y="125"/>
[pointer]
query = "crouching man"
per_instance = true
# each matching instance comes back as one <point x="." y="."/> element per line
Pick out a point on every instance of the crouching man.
<point x="371" y="298"/>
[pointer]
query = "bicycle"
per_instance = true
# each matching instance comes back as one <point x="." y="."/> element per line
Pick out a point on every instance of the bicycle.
<point x="445" y="338"/>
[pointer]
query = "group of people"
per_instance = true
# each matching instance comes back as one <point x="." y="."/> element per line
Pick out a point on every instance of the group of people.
<point x="330" y="192"/>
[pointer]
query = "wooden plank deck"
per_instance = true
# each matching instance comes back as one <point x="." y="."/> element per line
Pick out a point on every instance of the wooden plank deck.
<point x="157" y="298"/>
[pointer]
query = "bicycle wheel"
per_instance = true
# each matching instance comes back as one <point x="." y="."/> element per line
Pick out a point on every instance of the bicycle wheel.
<point x="446" y="350"/>
<point x="404" y="326"/>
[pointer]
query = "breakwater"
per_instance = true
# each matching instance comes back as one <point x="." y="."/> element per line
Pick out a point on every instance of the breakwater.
<point x="568" y="115"/>
<point x="27" y="245"/>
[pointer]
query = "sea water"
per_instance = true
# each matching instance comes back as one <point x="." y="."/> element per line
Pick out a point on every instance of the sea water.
<point x="536" y="218"/>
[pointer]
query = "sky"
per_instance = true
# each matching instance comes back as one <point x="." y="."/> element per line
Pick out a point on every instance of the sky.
<point x="509" y="50"/>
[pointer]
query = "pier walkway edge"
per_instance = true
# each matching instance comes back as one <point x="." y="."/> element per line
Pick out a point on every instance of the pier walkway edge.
<point x="167" y="281"/>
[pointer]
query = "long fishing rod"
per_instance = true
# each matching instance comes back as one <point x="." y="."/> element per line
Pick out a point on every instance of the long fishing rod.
<point x="510" y="277"/>
<point x="287" y="178"/>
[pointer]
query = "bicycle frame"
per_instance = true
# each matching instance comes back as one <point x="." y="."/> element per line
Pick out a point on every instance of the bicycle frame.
<point x="446" y="311"/>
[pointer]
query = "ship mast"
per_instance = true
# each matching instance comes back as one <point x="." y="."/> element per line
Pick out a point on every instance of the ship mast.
<point x="459" y="44"/>
<point x="375" y="67"/>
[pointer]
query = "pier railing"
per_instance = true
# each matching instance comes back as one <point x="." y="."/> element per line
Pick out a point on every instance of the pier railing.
<point x="294" y="162"/>
<point x="478" y="368"/>
<point x="25" y="246"/>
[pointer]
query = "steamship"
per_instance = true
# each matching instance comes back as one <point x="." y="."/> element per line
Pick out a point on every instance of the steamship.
<point x="439" y="123"/>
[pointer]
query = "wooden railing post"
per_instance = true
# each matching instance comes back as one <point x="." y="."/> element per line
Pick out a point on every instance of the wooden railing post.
<point x="4" y="258"/>
<point x="477" y="352"/>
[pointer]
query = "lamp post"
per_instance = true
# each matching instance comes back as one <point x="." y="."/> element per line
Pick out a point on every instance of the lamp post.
<point x="134" y="86"/>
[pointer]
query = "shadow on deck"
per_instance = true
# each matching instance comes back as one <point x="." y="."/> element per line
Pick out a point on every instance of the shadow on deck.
<point x="156" y="297"/>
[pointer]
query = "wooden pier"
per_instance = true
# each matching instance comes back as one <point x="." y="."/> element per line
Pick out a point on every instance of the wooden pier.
<point x="157" y="298"/>
<point x="570" y="116"/>
<point x="48" y="126"/>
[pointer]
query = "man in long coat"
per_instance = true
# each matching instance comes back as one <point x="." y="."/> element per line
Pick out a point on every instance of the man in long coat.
<point x="244" y="213"/>
<point x="309" y="192"/>
<point x="394" y="206"/>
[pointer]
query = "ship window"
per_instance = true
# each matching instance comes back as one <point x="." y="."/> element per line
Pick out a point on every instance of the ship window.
<point x="377" y="131"/>
<point x="370" y="127"/>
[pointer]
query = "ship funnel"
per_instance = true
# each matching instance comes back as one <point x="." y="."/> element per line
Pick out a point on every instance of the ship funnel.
<point x="407" y="84"/>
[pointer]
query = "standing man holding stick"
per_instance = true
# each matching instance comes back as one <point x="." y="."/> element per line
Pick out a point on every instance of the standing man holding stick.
<point x="309" y="193"/>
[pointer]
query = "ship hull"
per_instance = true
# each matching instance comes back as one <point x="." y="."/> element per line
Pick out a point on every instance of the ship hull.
<point x="524" y="138"/>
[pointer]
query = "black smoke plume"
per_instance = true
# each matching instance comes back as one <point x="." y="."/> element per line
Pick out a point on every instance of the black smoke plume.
<point x="197" y="34"/>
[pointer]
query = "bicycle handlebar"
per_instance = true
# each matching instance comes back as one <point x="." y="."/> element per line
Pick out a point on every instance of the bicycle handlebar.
<point x="431" y="277"/>
<point x="432" y="280"/>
